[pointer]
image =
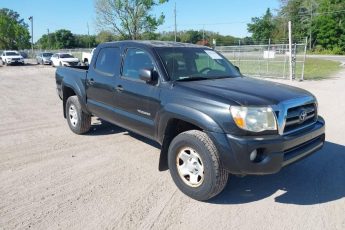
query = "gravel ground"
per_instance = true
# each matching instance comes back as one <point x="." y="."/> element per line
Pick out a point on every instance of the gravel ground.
<point x="51" y="178"/>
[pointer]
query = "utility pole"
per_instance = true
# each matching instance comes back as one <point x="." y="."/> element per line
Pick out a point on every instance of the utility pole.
<point x="311" y="21"/>
<point x="175" y="23"/>
<point x="31" y="18"/>
<point x="48" y="39"/>
<point x="203" y="35"/>
<point x="88" y="34"/>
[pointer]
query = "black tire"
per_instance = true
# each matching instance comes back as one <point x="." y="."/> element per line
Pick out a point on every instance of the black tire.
<point x="215" y="176"/>
<point x="82" y="123"/>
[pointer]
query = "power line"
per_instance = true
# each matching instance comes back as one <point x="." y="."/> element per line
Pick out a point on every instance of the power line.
<point x="321" y="13"/>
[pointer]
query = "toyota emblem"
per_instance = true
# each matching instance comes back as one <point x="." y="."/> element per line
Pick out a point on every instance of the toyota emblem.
<point x="302" y="116"/>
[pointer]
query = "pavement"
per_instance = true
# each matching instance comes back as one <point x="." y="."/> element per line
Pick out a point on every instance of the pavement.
<point x="51" y="178"/>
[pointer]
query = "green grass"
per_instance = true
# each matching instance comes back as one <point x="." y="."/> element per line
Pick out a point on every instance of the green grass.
<point x="315" y="69"/>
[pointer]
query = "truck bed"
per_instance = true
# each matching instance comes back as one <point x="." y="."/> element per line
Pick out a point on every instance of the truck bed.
<point x="72" y="75"/>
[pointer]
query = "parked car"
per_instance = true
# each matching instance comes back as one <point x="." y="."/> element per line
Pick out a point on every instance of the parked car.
<point x="44" y="58"/>
<point x="209" y="119"/>
<point x="11" y="57"/>
<point x="87" y="57"/>
<point x="24" y="54"/>
<point x="64" y="59"/>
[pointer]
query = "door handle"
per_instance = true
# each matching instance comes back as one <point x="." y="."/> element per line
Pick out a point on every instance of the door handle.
<point x="91" y="81"/>
<point x="119" y="88"/>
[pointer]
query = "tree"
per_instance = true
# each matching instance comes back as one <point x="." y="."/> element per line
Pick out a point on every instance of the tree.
<point x="329" y="25"/>
<point x="105" y="36"/>
<point x="60" y="39"/>
<point x="85" y="41"/>
<point x="14" y="32"/>
<point x="262" y="28"/>
<point x="191" y="36"/>
<point x="64" y="39"/>
<point x="128" y="18"/>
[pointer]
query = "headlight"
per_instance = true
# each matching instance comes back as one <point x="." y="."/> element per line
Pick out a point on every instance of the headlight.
<point x="255" y="119"/>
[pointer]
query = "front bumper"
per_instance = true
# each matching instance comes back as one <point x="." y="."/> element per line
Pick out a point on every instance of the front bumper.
<point x="274" y="151"/>
<point x="10" y="62"/>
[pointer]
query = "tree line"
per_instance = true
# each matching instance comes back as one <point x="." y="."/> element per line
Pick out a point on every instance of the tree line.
<point x="321" y="21"/>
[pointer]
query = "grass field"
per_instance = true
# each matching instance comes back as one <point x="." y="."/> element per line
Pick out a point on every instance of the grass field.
<point x="315" y="69"/>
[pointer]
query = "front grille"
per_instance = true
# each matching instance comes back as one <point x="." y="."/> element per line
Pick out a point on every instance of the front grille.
<point x="294" y="115"/>
<point x="73" y="63"/>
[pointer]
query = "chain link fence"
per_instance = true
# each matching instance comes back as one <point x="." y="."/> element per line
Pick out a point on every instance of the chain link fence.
<point x="75" y="52"/>
<point x="267" y="60"/>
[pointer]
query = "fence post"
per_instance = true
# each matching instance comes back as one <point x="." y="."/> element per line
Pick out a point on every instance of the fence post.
<point x="294" y="62"/>
<point x="239" y="53"/>
<point x="268" y="57"/>
<point x="304" y="58"/>
<point x="290" y="50"/>
<point x="285" y="49"/>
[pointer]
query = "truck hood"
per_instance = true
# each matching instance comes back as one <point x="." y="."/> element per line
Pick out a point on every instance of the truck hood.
<point x="244" y="90"/>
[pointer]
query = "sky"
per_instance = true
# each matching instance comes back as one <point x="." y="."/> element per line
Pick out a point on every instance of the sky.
<point x="228" y="17"/>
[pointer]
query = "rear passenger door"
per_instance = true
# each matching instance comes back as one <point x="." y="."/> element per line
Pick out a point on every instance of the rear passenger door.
<point x="101" y="82"/>
<point x="137" y="100"/>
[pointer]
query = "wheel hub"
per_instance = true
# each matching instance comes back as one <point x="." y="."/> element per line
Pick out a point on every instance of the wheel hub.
<point x="190" y="167"/>
<point x="73" y="115"/>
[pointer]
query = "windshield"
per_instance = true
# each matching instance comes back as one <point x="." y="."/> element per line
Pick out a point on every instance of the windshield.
<point x="66" y="56"/>
<point x="183" y="63"/>
<point x="11" y="53"/>
<point x="47" y="54"/>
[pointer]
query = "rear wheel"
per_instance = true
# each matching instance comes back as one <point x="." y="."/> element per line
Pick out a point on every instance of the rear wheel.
<point x="195" y="165"/>
<point x="78" y="121"/>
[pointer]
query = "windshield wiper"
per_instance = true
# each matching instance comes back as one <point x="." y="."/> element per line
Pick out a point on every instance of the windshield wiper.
<point x="188" y="78"/>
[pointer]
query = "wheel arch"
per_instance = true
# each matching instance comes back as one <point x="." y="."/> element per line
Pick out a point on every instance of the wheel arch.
<point x="177" y="119"/>
<point x="68" y="91"/>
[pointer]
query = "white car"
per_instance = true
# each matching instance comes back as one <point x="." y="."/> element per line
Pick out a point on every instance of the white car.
<point x="11" y="57"/>
<point x="86" y="57"/>
<point x="64" y="59"/>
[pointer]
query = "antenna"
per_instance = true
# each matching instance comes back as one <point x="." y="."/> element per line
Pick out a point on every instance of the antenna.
<point x="175" y="22"/>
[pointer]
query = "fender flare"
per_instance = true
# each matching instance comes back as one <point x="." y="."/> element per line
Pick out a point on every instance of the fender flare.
<point x="79" y="91"/>
<point x="176" y="111"/>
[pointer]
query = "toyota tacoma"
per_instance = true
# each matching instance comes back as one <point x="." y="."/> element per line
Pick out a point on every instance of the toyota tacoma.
<point x="209" y="119"/>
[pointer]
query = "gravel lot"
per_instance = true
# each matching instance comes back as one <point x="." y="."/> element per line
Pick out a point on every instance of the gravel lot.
<point x="51" y="178"/>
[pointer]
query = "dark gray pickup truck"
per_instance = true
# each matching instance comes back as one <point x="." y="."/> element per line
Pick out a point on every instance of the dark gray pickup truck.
<point x="209" y="119"/>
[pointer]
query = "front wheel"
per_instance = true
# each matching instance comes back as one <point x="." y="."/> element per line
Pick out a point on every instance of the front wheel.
<point x="78" y="121"/>
<point x="195" y="165"/>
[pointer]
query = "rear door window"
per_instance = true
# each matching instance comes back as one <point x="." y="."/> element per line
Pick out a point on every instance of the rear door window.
<point x="108" y="60"/>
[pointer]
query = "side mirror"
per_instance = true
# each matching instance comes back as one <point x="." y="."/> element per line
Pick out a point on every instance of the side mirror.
<point x="148" y="75"/>
<point x="238" y="68"/>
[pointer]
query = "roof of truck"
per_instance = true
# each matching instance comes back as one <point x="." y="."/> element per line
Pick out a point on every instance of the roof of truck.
<point x="158" y="43"/>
